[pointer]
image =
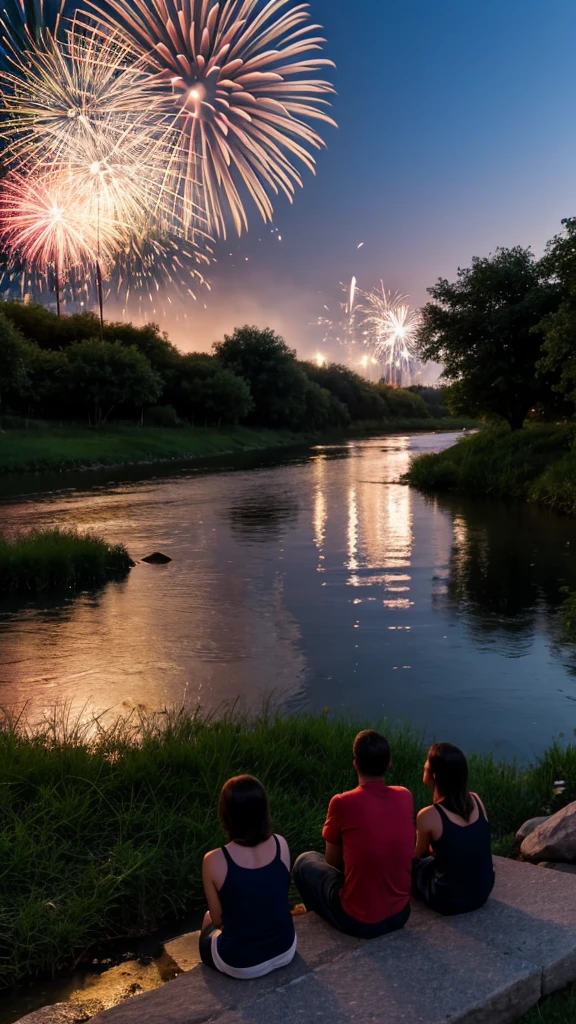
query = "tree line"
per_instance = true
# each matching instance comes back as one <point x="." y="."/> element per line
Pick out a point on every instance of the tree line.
<point x="505" y="332"/>
<point x="71" y="368"/>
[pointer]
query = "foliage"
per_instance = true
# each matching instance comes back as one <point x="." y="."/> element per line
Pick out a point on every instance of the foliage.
<point x="281" y="391"/>
<point x="13" y="376"/>
<point x="436" y="398"/>
<point x="559" y="327"/>
<point x="559" y="1008"/>
<point x="57" y="449"/>
<point x="537" y="463"/>
<point x="485" y="329"/>
<point x="107" y="374"/>
<point x="359" y="396"/>
<point x="399" y="402"/>
<point x="162" y="416"/>
<point x="103" y="827"/>
<point x="207" y="393"/>
<point x="41" y="560"/>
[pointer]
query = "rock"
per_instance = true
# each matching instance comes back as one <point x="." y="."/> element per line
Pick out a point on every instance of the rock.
<point x="528" y="827"/>
<point x="157" y="558"/>
<point x="568" y="869"/>
<point x="117" y="984"/>
<point x="554" y="839"/>
<point x="62" y="1013"/>
<point x="184" y="950"/>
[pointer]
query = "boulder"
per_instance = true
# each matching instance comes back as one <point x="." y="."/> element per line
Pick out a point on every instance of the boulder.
<point x="528" y="827"/>
<point x="157" y="558"/>
<point x="554" y="839"/>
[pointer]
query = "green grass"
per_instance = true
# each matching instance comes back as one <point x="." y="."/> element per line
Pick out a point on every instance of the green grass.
<point x="52" y="448"/>
<point x="102" y="829"/>
<point x="559" y="1008"/>
<point x="537" y="464"/>
<point x="73" y="447"/>
<point x="43" y="560"/>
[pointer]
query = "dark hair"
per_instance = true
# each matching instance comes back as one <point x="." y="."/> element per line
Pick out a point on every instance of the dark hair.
<point x="371" y="753"/>
<point x="450" y="770"/>
<point x="244" y="811"/>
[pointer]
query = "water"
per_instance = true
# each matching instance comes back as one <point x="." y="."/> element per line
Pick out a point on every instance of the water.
<point x="317" y="579"/>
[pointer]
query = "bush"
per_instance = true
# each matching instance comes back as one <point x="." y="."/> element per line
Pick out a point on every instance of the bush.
<point x="497" y="462"/>
<point x="162" y="416"/>
<point x="42" y="560"/>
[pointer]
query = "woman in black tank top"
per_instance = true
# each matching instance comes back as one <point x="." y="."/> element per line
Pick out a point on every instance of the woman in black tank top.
<point x="457" y="876"/>
<point x="248" y="930"/>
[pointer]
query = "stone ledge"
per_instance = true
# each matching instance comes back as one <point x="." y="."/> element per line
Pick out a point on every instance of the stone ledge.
<point x="489" y="967"/>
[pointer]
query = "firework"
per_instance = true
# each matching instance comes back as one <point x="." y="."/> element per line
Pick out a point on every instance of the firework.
<point x="44" y="220"/>
<point x="343" y="328"/>
<point x="238" y="89"/>
<point x="390" y="329"/>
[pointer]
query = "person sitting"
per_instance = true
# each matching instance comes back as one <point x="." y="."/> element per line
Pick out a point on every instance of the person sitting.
<point x="362" y="884"/>
<point x="248" y="930"/>
<point x="458" y="875"/>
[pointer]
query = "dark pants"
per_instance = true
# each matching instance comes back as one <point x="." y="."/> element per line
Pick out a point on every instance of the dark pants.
<point x="443" y="898"/>
<point x="319" y="885"/>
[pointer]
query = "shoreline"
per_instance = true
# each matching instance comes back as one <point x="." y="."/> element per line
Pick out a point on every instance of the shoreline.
<point x="77" y="449"/>
<point x="109" y="833"/>
<point x="536" y="464"/>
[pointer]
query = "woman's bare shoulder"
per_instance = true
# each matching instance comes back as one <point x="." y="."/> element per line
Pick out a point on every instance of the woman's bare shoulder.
<point x="427" y="814"/>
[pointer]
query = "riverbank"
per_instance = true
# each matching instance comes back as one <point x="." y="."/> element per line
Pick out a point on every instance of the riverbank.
<point x="47" y="448"/>
<point x="535" y="464"/>
<point x="103" y="828"/>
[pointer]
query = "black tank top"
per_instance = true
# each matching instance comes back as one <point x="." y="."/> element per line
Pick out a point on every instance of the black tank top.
<point x="256" y="921"/>
<point x="463" y="868"/>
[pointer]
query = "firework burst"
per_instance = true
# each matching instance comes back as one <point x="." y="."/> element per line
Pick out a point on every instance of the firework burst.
<point x="390" y="328"/>
<point x="237" y="88"/>
<point x="45" y="220"/>
<point x="344" y="327"/>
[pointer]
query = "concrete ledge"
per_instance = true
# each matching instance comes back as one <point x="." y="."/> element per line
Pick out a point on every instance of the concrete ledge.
<point x="489" y="967"/>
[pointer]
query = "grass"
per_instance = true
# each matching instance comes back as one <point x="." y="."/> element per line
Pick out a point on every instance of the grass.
<point x="559" y="1008"/>
<point x="537" y="464"/>
<point x="40" y="560"/>
<point x="103" y="827"/>
<point x="73" y="447"/>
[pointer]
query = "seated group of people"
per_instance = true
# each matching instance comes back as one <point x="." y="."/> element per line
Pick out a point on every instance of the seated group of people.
<point x="375" y="859"/>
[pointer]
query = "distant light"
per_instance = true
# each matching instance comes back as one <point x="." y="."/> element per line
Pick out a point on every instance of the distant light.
<point x="360" y="246"/>
<point x="319" y="359"/>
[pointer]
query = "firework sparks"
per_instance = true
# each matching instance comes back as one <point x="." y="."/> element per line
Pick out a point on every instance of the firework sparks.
<point x="44" y="220"/>
<point x="390" y="328"/>
<point x="344" y="328"/>
<point x="238" y="89"/>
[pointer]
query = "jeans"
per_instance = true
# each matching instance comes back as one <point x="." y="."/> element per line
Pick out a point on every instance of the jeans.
<point x="319" y="885"/>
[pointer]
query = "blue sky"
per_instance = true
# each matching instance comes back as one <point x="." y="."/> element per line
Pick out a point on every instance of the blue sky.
<point x="457" y="133"/>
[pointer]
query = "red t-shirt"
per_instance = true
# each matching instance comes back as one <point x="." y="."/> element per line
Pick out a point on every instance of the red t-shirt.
<point x="374" y="824"/>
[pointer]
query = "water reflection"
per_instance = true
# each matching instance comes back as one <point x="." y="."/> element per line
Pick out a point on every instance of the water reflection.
<point x="322" y="578"/>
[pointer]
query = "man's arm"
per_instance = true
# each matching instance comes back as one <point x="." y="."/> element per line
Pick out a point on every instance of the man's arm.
<point x="334" y="855"/>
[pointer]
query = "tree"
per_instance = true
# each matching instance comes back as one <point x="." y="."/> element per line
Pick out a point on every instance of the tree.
<point x="486" y="330"/>
<point x="359" y="396"/>
<point x="107" y="374"/>
<point x="13" y="374"/>
<point x="559" y="327"/>
<point x="276" y="381"/>
<point x="220" y="397"/>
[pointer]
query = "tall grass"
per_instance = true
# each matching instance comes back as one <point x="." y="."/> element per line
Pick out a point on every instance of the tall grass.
<point x="536" y="463"/>
<point x="40" y="560"/>
<point x="103" y="827"/>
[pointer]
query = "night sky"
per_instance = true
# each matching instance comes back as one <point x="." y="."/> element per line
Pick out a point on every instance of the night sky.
<point x="456" y="134"/>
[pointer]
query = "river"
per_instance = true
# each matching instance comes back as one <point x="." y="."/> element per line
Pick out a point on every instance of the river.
<point x="315" y="579"/>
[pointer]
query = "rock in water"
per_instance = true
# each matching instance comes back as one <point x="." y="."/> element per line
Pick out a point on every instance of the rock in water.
<point x="157" y="558"/>
<point x="554" y="839"/>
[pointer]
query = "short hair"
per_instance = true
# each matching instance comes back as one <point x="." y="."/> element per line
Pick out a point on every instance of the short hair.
<point x="371" y="753"/>
<point x="244" y="811"/>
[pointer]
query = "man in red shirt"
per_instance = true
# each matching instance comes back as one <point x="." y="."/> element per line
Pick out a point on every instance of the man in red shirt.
<point x="362" y="884"/>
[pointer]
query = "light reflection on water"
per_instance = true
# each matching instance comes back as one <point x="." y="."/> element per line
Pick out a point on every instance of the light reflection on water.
<point x="322" y="579"/>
